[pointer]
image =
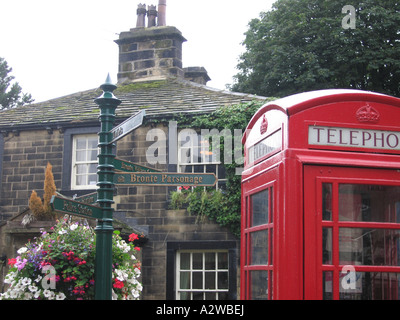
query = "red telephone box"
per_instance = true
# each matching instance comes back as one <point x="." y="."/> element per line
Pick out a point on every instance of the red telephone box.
<point x="321" y="198"/>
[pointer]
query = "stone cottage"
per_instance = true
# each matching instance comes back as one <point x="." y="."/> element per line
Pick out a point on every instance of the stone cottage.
<point x="182" y="259"/>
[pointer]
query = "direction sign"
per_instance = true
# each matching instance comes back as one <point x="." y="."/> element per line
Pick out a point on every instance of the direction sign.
<point x="127" y="126"/>
<point x="126" y="166"/>
<point x="166" y="179"/>
<point x="75" y="208"/>
<point x="90" y="198"/>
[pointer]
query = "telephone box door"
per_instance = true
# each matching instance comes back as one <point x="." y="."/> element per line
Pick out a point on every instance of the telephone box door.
<point x="351" y="233"/>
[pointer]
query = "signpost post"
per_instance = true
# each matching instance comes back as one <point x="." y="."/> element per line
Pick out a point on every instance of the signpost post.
<point x="105" y="192"/>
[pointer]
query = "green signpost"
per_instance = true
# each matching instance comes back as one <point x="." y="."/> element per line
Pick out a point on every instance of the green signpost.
<point x="126" y="166"/>
<point x="105" y="192"/>
<point x="90" y="198"/>
<point x="133" y="174"/>
<point x="75" y="208"/>
<point x="166" y="179"/>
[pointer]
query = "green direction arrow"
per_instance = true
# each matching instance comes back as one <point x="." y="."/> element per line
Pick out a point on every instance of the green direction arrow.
<point x="90" y="198"/>
<point x="75" y="208"/>
<point x="166" y="179"/>
<point x="126" y="166"/>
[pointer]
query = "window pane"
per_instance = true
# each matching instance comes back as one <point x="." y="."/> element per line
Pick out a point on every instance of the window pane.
<point x="327" y="245"/>
<point x="259" y="247"/>
<point x="92" y="143"/>
<point x="81" y="156"/>
<point x="185" y="280"/>
<point x="80" y="143"/>
<point x="222" y="280"/>
<point x="327" y="201"/>
<point x="81" y="168"/>
<point x="210" y="261"/>
<point x="210" y="280"/>
<point x="93" y="168"/>
<point x="222" y="260"/>
<point x="185" y="296"/>
<point x="375" y="203"/>
<point x="211" y="296"/>
<point x="197" y="280"/>
<point x="327" y="277"/>
<point x="92" y="178"/>
<point x="198" y="169"/>
<point x="260" y="208"/>
<point x="92" y="155"/>
<point x="185" y="261"/>
<point x="259" y="285"/>
<point x="370" y="286"/>
<point x="197" y="261"/>
<point x="369" y="246"/>
<point x="81" y="180"/>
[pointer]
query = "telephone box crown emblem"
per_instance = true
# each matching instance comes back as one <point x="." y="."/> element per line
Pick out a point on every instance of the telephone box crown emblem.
<point x="367" y="114"/>
<point x="264" y="125"/>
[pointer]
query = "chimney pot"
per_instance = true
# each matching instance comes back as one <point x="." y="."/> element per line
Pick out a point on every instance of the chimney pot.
<point x="162" y="9"/>
<point x="141" y="16"/>
<point x="151" y="16"/>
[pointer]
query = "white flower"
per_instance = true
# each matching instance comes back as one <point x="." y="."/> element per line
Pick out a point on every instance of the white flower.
<point x="37" y="294"/>
<point x="28" y="296"/>
<point x="62" y="231"/>
<point x="60" y="296"/>
<point x="73" y="227"/>
<point x="26" y="281"/>
<point x="14" y="294"/>
<point x="47" y="293"/>
<point x="22" y="250"/>
<point x="135" y="293"/>
<point x="32" y="288"/>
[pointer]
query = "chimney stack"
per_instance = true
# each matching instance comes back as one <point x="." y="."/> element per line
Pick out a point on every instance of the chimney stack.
<point x="162" y="9"/>
<point x="141" y="16"/>
<point x="151" y="16"/>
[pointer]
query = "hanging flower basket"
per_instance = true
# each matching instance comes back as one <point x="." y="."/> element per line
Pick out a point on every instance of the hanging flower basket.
<point x="60" y="266"/>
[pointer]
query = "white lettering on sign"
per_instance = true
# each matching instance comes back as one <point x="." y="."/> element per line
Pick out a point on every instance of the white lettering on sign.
<point x="266" y="146"/>
<point x="353" y="138"/>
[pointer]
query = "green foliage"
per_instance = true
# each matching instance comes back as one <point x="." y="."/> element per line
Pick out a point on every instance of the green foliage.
<point x="300" y="45"/>
<point x="10" y="97"/>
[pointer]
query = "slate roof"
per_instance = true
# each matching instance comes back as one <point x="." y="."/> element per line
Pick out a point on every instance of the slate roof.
<point x="158" y="97"/>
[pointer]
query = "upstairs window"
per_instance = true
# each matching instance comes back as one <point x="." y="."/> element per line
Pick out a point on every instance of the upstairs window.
<point x="197" y="155"/>
<point x="84" y="162"/>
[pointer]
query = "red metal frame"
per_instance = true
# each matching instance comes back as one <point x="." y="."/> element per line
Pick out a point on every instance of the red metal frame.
<point x="296" y="255"/>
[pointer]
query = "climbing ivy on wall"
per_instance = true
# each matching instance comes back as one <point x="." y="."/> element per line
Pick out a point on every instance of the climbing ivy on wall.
<point x="224" y="207"/>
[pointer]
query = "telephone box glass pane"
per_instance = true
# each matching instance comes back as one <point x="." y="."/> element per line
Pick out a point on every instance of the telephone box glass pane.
<point x="369" y="286"/>
<point x="327" y="278"/>
<point x="369" y="246"/>
<point x="259" y="284"/>
<point x="259" y="203"/>
<point x="259" y="247"/>
<point x="327" y="201"/>
<point x="327" y="246"/>
<point x="369" y="203"/>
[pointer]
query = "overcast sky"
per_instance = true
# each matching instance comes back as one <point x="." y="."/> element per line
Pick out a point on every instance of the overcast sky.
<point x="61" y="47"/>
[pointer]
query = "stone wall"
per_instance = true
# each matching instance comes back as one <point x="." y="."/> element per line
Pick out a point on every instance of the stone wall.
<point x="25" y="157"/>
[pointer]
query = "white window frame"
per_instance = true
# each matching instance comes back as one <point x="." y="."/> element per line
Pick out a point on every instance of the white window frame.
<point x="216" y="290"/>
<point x="75" y="163"/>
<point x="194" y="152"/>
